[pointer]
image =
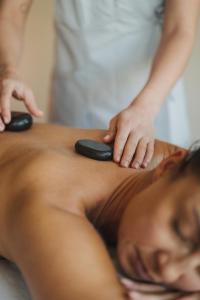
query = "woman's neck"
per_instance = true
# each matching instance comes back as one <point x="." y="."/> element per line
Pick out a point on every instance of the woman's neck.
<point x="107" y="215"/>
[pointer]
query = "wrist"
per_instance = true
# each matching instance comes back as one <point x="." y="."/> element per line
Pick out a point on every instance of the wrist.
<point x="148" y="101"/>
<point x="7" y="70"/>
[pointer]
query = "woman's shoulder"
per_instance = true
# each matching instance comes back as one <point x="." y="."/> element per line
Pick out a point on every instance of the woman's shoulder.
<point x="161" y="151"/>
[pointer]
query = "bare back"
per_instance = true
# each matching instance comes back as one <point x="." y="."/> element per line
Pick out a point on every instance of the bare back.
<point x="47" y="191"/>
<point x="46" y="153"/>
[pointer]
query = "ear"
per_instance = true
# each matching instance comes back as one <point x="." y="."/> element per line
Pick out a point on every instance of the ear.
<point x="169" y="162"/>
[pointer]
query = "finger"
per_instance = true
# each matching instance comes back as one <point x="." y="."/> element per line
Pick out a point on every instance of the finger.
<point x="142" y="287"/>
<point x="110" y="135"/>
<point x="139" y="153"/>
<point x="129" y="150"/>
<point x="149" y="154"/>
<point x="29" y="101"/>
<point x="2" y="126"/>
<point x="120" y="141"/>
<point x="189" y="297"/>
<point x="164" y="296"/>
<point x="6" y="95"/>
<point x="31" y="104"/>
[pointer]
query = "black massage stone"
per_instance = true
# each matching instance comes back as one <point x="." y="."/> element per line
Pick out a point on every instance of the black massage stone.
<point x="93" y="149"/>
<point x="20" y="121"/>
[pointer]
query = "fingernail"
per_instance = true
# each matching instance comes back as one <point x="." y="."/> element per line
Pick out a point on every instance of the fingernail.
<point x="106" y="137"/>
<point x="124" y="164"/>
<point x="2" y="127"/>
<point x="144" y="164"/>
<point x="6" y="120"/>
<point x="117" y="159"/>
<point x="136" y="165"/>
<point x="40" y="112"/>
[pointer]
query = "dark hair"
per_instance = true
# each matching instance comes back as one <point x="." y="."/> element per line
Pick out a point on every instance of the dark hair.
<point x="192" y="161"/>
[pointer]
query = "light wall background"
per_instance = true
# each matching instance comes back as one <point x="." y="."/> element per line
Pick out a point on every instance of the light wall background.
<point x="37" y="61"/>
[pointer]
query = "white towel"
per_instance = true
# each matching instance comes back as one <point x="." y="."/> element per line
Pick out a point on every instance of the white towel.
<point x="12" y="285"/>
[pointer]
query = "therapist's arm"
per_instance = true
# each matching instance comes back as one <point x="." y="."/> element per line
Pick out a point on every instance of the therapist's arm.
<point x="180" y="23"/>
<point x="13" y="15"/>
<point x="133" y="128"/>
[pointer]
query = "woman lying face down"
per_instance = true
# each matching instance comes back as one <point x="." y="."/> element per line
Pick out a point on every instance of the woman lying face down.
<point x="159" y="232"/>
<point x="59" y="201"/>
<point x="153" y="218"/>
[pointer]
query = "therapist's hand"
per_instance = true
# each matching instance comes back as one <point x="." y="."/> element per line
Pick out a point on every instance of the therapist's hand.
<point x="144" y="291"/>
<point x="132" y="132"/>
<point x="11" y="86"/>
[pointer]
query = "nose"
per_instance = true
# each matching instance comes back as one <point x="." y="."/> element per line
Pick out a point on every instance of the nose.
<point x="170" y="269"/>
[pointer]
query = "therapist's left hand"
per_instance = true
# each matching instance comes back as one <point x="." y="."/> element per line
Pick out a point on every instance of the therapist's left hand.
<point x="132" y="131"/>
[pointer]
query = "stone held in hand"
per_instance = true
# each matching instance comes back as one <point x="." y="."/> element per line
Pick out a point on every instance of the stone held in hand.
<point x="94" y="149"/>
<point x="20" y="121"/>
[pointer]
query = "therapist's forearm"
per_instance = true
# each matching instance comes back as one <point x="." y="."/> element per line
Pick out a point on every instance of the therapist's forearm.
<point x="12" y="23"/>
<point x="169" y="63"/>
<point x="10" y="47"/>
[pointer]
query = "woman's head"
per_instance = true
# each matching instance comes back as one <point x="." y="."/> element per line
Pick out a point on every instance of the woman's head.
<point x="159" y="233"/>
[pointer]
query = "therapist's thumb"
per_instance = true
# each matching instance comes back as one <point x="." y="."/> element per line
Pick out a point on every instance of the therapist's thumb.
<point x="110" y="135"/>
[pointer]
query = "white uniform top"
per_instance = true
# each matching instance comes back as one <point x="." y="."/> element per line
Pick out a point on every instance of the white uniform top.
<point x="104" y="51"/>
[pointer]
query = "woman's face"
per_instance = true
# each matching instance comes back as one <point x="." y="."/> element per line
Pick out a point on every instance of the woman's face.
<point x="159" y="234"/>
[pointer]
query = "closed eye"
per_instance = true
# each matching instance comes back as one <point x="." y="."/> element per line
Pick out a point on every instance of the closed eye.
<point x="176" y="227"/>
<point x="198" y="270"/>
<point x="177" y="230"/>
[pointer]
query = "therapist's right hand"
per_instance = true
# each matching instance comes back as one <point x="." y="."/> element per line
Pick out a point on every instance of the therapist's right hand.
<point x="11" y="86"/>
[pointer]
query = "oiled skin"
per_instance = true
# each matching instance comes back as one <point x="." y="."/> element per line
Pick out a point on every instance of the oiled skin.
<point x="47" y="191"/>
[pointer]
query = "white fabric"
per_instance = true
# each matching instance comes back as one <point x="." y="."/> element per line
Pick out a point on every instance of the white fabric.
<point x="104" y="51"/>
<point x="12" y="286"/>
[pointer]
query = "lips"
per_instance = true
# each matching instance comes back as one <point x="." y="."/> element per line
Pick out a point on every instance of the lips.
<point x="139" y="268"/>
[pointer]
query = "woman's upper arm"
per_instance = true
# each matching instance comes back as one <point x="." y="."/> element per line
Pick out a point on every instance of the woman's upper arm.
<point x="181" y="15"/>
<point x="66" y="258"/>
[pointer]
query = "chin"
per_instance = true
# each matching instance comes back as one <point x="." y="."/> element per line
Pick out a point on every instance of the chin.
<point x="122" y="257"/>
<point x="130" y="264"/>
